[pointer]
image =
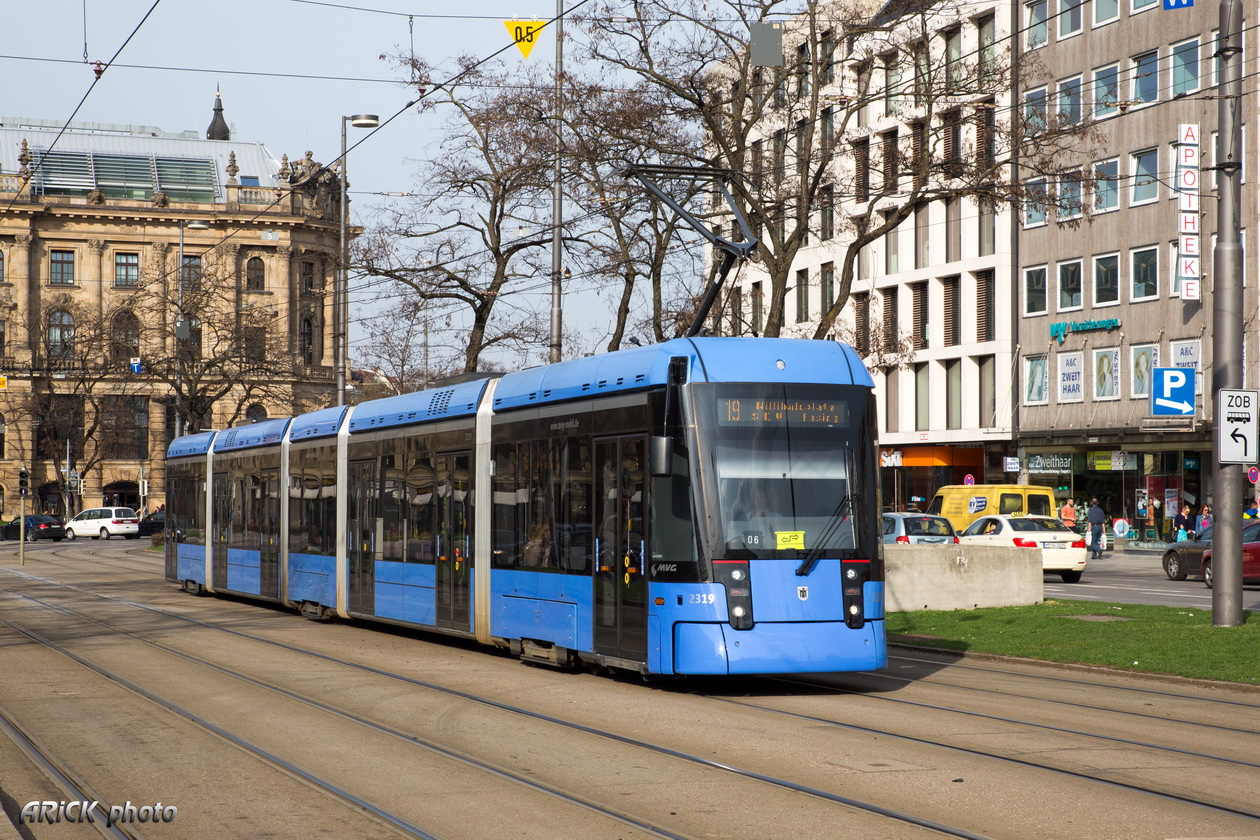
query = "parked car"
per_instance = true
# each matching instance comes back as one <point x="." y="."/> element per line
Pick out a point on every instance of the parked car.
<point x="154" y="523"/>
<point x="38" y="527"/>
<point x="1062" y="550"/>
<point x="963" y="504"/>
<point x="104" y="523"/>
<point x="918" y="529"/>
<point x="1250" y="558"/>
<point x="1185" y="558"/>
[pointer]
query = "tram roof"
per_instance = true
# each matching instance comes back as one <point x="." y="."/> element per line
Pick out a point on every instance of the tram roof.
<point x="712" y="360"/>
<point x="183" y="447"/>
<point x="421" y="407"/>
<point x="255" y="434"/>
<point x="316" y="424"/>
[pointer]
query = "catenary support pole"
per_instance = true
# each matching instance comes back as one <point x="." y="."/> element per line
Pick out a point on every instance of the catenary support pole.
<point x="1227" y="317"/>
<point x="557" y="198"/>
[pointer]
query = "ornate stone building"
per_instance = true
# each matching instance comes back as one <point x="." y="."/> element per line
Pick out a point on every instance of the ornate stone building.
<point x="149" y="282"/>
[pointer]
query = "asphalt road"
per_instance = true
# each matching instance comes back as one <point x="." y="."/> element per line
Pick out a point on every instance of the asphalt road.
<point x="1138" y="578"/>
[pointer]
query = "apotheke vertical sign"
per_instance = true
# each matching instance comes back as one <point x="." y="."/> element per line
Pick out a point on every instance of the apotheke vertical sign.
<point x="1187" y="187"/>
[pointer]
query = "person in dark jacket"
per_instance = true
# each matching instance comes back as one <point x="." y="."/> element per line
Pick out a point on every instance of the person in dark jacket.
<point x="1096" y="519"/>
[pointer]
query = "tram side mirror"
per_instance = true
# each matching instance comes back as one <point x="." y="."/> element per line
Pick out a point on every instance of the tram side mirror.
<point x="659" y="456"/>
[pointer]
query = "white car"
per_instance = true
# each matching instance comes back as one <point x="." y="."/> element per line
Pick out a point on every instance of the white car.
<point x="104" y="523"/>
<point x="1062" y="550"/>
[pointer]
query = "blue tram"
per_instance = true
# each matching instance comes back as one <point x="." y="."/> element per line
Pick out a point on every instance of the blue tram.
<point x="701" y="506"/>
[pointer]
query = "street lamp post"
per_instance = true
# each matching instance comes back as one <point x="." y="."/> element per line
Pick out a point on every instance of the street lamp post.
<point x="341" y="287"/>
<point x="182" y="327"/>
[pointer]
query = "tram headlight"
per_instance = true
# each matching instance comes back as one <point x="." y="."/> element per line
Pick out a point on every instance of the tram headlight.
<point x="851" y="573"/>
<point x="738" y="612"/>
<point x="737" y="574"/>
<point x="854" y="610"/>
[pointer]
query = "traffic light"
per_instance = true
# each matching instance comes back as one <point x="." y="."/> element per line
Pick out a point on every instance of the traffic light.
<point x="24" y="482"/>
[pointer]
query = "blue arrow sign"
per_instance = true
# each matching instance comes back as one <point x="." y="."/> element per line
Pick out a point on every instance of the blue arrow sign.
<point x="1173" y="391"/>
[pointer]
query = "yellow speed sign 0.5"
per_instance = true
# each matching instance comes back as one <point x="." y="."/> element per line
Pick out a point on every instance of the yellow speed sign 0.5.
<point x="524" y="33"/>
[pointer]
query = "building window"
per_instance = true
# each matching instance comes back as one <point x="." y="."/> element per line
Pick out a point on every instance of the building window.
<point x="1036" y="24"/>
<point x="986" y="36"/>
<point x="890" y="320"/>
<point x="124" y="338"/>
<point x="892" y="400"/>
<point x="988" y="227"/>
<point x="921" y="236"/>
<point x="827" y="214"/>
<point x="953" y="59"/>
<point x="1145" y="72"/>
<point x="862" y="170"/>
<point x="951" y="143"/>
<point x="1107" y="374"/>
<point x="862" y="323"/>
<point x="1143" y="5"/>
<point x="1106" y="91"/>
<point x="953" y="229"/>
<point x="1035" y="203"/>
<point x="1036" y="380"/>
<point x="1145" y="274"/>
<point x="125" y="427"/>
<point x="827" y="285"/>
<point x="1069" y="101"/>
<point x="919" y="303"/>
<point x="802" y="295"/>
<point x="1106" y="280"/>
<point x="892" y="257"/>
<point x="190" y="348"/>
<point x="1144" y="358"/>
<point x="1185" y="68"/>
<point x="1" y="265"/>
<point x="1070" y="196"/>
<point x="953" y="394"/>
<point x="988" y="391"/>
<point x="986" y="304"/>
<point x="892" y="86"/>
<point x="888" y="151"/>
<point x="190" y="271"/>
<point x="758" y="311"/>
<point x="1106" y="185"/>
<point x="1105" y="11"/>
<point x="1069" y="17"/>
<point x="950" y="286"/>
<point x="922" y="396"/>
<point x="307" y="277"/>
<point x="802" y="70"/>
<point x="60" y="335"/>
<point x="255" y="275"/>
<point x="126" y="269"/>
<point x="1145" y="171"/>
<point x="1070" y="285"/>
<point x="1035" y="291"/>
<point x="61" y="268"/>
<point x="255" y="413"/>
<point x="4" y="343"/>
<point x="306" y="341"/>
<point x="3" y="429"/>
<point x="255" y="345"/>
<point x="827" y="57"/>
<point x="1035" y="111"/>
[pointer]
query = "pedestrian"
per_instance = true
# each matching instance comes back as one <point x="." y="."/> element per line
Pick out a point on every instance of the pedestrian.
<point x="1183" y="522"/>
<point x="1067" y="513"/>
<point x="1095" y="517"/>
<point x="1205" y="518"/>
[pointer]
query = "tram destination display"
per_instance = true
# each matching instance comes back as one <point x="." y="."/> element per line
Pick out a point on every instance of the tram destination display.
<point x="748" y="411"/>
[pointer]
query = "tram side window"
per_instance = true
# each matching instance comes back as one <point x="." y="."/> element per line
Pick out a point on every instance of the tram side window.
<point x="511" y="495"/>
<point x="394" y="503"/>
<point x="575" y="537"/>
<point x="422" y="509"/>
<point x="313" y="506"/>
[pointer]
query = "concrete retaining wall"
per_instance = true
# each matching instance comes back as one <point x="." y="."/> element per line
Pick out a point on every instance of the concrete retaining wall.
<point x="960" y="577"/>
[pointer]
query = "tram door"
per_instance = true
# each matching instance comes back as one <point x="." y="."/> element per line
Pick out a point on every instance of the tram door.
<point x="361" y="536"/>
<point x="225" y="511"/>
<point x="268" y="524"/>
<point x="454" y="525"/>
<point x="621" y="531"/>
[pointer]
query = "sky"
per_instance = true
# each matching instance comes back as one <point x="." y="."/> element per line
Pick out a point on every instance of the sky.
<point x="288" y="70"/>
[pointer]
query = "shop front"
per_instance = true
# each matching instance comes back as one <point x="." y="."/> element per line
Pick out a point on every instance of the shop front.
<point x="1140" y="492"/>
<point x="910" y="475"/>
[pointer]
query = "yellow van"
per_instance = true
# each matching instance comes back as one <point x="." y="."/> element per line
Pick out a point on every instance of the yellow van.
<point x="963" y="504"/>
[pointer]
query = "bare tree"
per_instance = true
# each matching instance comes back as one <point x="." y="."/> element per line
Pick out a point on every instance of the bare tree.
<point x="801" y="134"/>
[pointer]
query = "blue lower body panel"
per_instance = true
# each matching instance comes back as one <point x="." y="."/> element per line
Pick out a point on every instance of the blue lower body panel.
<point x="544" y="606"/>
<point x="312" y="577"/>
<point x="405" y="592"/>
<point x="191" y="563"/>
<point x="244" y="574"/>
<point x="770" y="648"/>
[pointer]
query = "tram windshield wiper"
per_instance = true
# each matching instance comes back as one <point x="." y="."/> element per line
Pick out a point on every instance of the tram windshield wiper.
<point x="843" y="509"/>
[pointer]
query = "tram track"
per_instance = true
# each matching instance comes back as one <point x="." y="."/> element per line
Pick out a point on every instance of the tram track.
<point x="1216" y="807"/>
<point x="74" y="788"/>
<point x="783" y="784"/>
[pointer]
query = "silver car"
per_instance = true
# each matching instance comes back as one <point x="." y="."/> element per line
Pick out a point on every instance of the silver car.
<point x="918" y="529"/>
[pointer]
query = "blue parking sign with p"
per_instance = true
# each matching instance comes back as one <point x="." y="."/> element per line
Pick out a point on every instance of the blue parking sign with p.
<point x="1172" y="391"/>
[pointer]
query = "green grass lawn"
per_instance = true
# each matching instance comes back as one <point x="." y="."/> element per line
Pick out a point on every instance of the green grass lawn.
<point x="1130" y="637"/>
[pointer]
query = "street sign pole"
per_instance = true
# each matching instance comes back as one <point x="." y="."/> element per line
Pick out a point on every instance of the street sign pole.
<point x="1227" y="320"/>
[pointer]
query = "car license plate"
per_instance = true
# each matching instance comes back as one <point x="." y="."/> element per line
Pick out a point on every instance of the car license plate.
<point x="1053" y="545"/>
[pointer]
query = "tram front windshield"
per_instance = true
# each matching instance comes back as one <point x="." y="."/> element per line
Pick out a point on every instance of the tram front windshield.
<point x="782" y="476"/>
